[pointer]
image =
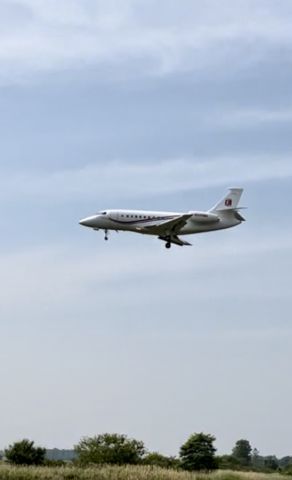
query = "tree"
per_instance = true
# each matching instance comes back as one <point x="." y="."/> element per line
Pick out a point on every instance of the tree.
<point x="255" y="456"/>
<point x="198" y="453"/>
<point x="271" y="462"/>
<point x="257" y="461"/>
<point x="242" y="452"/>
<point x="111" y="449"/>
<point x="285" y="462"/>
<point x="25" y="453"/>
<point x="162" y="461"/>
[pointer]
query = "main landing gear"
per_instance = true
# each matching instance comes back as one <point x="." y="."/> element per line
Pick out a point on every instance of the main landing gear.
<point x="168" y="239"/>
<point x="168" y="243"/>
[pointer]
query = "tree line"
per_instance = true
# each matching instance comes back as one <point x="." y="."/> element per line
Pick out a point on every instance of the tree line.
<point x="198" y="453"/>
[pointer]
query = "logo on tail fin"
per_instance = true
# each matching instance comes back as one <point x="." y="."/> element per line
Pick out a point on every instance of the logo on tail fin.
<point x="228" y="202"/>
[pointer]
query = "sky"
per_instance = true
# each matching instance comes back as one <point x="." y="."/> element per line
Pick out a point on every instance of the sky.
<point x="147" y="105"/>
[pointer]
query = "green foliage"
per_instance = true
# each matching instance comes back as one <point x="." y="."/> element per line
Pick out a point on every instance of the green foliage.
<point x="198" y="453"/>
<point x="25" y="453"/>
<point x="227" y="462"/>
<point x="287" y="470"/>
<point x="271" y="463"/>
<point x="285" y="462"/>
<point x="242" y="452"/>
<point x="158" y="460"/>
<point x="110" y="449"/>
<point x="257" y="461"/>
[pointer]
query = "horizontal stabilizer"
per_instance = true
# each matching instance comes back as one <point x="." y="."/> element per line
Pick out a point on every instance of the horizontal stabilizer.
<point x="238" y="216"/>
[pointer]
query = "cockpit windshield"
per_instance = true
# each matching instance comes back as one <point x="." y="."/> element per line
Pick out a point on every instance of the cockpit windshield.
<point x="101" y="213"/>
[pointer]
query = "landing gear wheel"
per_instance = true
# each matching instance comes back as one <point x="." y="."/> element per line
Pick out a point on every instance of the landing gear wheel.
<point x="106" y="235"/>
<point x="167" y="245"/>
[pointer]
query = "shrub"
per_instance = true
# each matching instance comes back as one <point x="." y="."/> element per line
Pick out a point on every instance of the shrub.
<point x="110" y="449"/>
<point x="162" y="461"/>
<point x="25" y="453"/>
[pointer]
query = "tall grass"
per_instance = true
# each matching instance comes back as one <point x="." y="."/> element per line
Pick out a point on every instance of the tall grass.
<point x="8" y="472"/>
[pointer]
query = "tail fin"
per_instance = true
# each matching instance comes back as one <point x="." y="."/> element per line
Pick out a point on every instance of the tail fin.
<point x="229" y="202"/>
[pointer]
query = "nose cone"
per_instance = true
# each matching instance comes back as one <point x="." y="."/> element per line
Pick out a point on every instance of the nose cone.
<point x="88" y="222"/>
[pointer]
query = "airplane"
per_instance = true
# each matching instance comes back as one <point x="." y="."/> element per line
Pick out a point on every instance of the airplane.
<point x="168" y="226"/>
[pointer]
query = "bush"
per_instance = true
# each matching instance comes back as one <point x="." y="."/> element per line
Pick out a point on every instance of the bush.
<point x="111" y="449"/>
<point x="227" y="462"/>
<point x="25" y="453"/>
<point x="287" y="470"/>
<point x="158" y="460"/>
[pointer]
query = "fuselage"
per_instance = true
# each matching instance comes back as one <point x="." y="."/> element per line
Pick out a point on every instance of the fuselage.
<point x="137" y="220"/>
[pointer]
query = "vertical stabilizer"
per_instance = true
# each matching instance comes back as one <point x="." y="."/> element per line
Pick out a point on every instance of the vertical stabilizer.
<point x="229" y="202"/>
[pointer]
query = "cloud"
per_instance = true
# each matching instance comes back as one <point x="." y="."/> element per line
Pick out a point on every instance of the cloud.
<point x="243" y="118"/>
<point x="117" y="180"/>
<point x="59" y="35"/>
<point x="61" y="278"/>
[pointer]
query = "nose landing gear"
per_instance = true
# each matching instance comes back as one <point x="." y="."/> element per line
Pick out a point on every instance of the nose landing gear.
<point x="106" y="235"/>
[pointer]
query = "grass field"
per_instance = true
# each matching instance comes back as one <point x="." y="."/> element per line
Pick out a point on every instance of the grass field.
<point x="121" y="473"/>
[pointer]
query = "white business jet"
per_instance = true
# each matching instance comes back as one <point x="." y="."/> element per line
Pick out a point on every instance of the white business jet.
<point x="167" y="226"/>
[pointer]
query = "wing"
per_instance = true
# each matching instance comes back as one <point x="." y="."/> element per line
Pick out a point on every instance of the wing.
<point x="168" y="227"/>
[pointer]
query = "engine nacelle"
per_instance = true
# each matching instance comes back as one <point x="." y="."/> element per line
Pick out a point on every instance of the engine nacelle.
<point x="204" y="217"/>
